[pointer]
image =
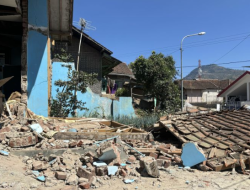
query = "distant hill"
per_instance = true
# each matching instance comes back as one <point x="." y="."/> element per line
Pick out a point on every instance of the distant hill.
<point x="215" y="72"/>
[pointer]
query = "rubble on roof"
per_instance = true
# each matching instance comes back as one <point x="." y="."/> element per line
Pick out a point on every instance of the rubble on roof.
<point x="223" y="136"/>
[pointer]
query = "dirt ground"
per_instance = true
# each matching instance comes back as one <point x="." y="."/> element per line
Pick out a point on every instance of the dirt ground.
<point x="13" y="176"/>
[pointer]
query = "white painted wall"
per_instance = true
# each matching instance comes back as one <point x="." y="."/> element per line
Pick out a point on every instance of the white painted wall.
<point x="238" y="84"/>
<point x="203" y="96"/>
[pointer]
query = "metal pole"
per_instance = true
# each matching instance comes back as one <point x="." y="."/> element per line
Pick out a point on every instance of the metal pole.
<point x="181" y="79"/>
<point x="77" y="66"/>
<point x="201" y="33"/>
<point x="79" y="50"/>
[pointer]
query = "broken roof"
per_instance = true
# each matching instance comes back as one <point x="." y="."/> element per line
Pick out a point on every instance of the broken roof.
<point x="122" y="69"/>
<point x="227" y="131"/>
<point x="205" y="84"/>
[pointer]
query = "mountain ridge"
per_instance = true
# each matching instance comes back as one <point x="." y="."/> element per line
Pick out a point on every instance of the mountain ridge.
<point x="214" y="71"/>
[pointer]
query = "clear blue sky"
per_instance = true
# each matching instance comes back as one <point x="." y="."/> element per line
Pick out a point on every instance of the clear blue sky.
<point x="131" y="28"/>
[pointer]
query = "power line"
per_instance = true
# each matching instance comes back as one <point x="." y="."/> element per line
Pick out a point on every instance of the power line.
<point x="218" y="63"/>
<point x="232" y="48"/>
<point x="221" y="40"/>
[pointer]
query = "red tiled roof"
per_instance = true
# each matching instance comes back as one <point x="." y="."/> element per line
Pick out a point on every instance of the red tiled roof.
<point x="205" y="84"/>
<point x="240" y="77"/>
<point x="123" y="69"/>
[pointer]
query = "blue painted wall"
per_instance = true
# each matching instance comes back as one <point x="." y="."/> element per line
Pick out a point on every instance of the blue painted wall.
<point x="94" y="102"/>
<point x="37" y="58"/>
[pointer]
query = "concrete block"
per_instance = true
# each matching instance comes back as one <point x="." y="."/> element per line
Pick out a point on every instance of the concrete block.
<point x="38" y="165"/>
<point x="150" y="165"/>
<point x="60" y="175"/>
<point x="160" y="162"/>
<point x="192" y="154"/>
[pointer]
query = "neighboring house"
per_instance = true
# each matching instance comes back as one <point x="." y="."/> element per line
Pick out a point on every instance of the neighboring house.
<point x="94" y="57"/>
<point x="121" y="74"/>
<point x="27" y="28"/>
<point x="203" y="90"/>
<point x="237" y="93"/>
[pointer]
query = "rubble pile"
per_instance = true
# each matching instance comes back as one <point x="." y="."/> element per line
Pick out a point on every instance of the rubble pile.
<point x="85" y="153"/>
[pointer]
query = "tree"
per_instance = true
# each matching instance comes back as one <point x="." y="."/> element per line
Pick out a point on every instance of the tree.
<point x="66" y="101"/>
<point x="157" y="74"/>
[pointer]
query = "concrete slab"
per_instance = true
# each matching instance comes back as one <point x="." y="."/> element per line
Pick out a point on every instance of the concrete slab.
<point x="192" y="154"/>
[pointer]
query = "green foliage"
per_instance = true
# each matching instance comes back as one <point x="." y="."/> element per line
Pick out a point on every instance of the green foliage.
<point x="157" y="74"/>
<point x="66" y="101"/>
<point x="122" y="92"/>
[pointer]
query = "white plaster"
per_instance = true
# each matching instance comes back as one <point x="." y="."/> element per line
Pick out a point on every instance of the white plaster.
<point x="239" y="83"/>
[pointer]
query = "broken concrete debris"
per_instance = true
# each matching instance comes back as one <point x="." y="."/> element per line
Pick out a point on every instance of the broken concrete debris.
<point x="82" y="153"/>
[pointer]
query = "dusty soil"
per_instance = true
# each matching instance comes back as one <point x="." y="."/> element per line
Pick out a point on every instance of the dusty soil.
<point x="13" y="176"/>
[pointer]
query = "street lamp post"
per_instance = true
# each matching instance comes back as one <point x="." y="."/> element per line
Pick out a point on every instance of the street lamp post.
<point x="201" y="33"/>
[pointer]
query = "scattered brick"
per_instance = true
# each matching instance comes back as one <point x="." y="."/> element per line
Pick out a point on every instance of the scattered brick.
<point x="167" y="163"/>
<point x="131" y="159"/>
<point x="84" y="185"/>
<point x="81" y="172"/>
<point x="25" y="129"/>
<point x="72" y="144"/>
<point x="5" y="130"/>
<point x="154" y="155"/>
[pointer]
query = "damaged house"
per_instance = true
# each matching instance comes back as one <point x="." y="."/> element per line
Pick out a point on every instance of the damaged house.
<point x="27" y="29"/>
<point x="31" y="33"/>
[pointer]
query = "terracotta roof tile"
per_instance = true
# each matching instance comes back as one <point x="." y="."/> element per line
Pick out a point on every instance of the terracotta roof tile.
<point x="205" y="84"/>
<point x="122" y="68"/>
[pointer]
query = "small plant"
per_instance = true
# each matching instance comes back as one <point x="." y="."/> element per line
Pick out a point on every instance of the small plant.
<point x="66" y="101"/>
<point x="122" y="92"/>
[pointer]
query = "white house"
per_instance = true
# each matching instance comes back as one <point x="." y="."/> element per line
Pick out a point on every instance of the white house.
<point x="204" y="90"/>
<point x="237" y="93"/>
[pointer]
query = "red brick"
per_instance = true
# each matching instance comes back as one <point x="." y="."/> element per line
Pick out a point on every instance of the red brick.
<point x="131" y="159"/>
<point x="177" y="159"/>
<point x="167" y="163"/>
<point x="25" y="129"/>
<point x="164" y="158"/>
<point x="60" y="175"/>
<point x="5" y="130"/>
<point x="163" y="149"/>
<point x="80" y="143"/>
<point x="23" y="142"/>
<point x="154" y="155"/>
<point x="84" y="185"/>
<point x="123" y="173"/>
<point x="72" y="144"/>
<point x="81" y="172"/>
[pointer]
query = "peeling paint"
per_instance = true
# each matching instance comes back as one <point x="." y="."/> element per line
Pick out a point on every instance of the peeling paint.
<point x="41" y="29"/>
